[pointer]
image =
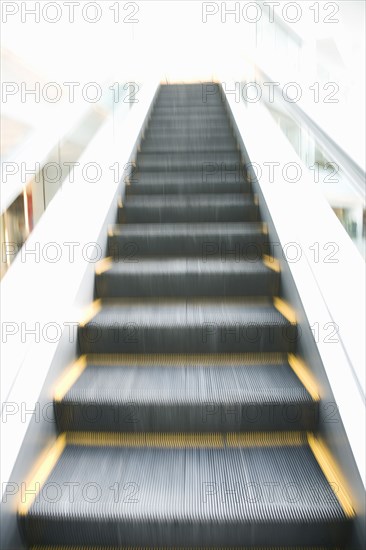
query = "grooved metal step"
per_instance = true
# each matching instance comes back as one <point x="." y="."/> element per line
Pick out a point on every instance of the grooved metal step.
<point x="202" y="109"/>
<point x="188" y="393"/>
<point x="187" y="208"/>
<point x="214" y="126"/>
<point x="241" y="241"/>
<point x="200" y="102"/>
<point x="177" y="89"/>
<point x="185" y="143"/>
<point x="206" y="116"/>
<point x="203" y="92"/>
<point x="188" y="133"/>
<point x="196" y="102"/>
<point x="202" y="95"/>
<point x="190" y="325"/>
<point x="162" y="109"/>
<point x="161" y="276"/>
<point x="190" y="490"/>
<point x="188" y="161"/>
<point x="181" y="548"/>
<point x="210" y="180"/>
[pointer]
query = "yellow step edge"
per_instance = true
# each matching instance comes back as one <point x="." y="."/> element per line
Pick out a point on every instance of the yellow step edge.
<point x="332" y="472"/>
<point x="285" y="309"/>
<point x="91" y="311"/>
<point x="182" y="440"/>
<point x="69" y="377"/>
<point x="120" y="202"/>
<point x="104" y="265"/>
<point x="153" y="439"/>
<point x="272" y="263"/>
<point x="304" y="374"/>
<point x="44" y="465"/>
<point x="265" y="439"/>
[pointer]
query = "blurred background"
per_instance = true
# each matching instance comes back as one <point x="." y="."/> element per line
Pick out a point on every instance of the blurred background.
<point x="66" y="69"/>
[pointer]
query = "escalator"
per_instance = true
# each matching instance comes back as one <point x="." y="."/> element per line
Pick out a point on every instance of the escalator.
<point x="189" y="419"/>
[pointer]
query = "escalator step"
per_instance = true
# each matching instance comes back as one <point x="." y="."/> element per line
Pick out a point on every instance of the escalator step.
<point x="207" y="115"/>
<point x="211" y="180"/>
<point x="209" y="125"/>
<point x="185" y="277"/>
<point x="208" y="89"/>
<point x="186" y="489"/>
<point x="186" y="325"/>
<point x="187" y="143"/>
<point x="58" y="547"/>
<point x="188" y="161"/>
<point x="188" y="88"/>
<point x="187" y="133"/>
<point x="190" y="110"/>
<point x="200" y="101"/>
<point x="203" y="95"/>
<point x="185" y="393"/>
<point x="187" y="208"/>
<point x="243" y="241"/>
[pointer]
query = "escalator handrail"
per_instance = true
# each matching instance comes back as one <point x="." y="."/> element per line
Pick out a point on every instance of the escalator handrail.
<point x="351" y="168"/>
